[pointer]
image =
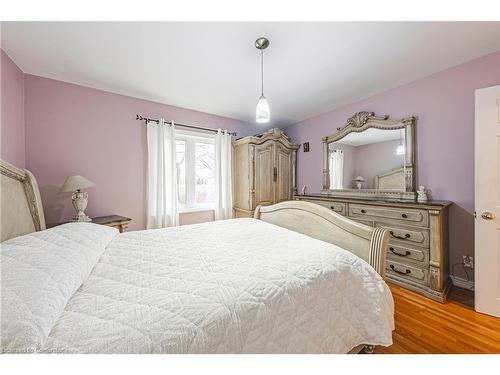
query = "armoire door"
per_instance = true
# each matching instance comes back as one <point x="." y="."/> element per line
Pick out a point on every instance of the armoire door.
<point x="282" y="173"/>
<point x="264" y="163"/>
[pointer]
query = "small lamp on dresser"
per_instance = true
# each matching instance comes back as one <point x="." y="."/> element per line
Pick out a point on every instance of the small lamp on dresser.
<point x="359" y="181"/>
<point x="79" y="197"/>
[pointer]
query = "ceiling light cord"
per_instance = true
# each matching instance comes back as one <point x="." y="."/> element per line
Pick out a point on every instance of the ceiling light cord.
<point x="262" y="72"/>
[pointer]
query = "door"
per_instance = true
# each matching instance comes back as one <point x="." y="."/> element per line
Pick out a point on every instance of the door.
<point x="487" y="201"/>
<point x="283" y="173"/>
<point x="264" y="163"/>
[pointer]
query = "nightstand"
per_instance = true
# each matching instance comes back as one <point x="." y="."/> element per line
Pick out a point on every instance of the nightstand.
<point x="119" y="222"/>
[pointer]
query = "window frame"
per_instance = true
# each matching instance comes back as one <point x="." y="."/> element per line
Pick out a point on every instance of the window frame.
<point x="191" y="138"/>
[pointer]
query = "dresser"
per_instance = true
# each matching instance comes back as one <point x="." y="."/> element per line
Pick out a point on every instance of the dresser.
<point x="264" y="168"/>
<point x="417" y="256"/>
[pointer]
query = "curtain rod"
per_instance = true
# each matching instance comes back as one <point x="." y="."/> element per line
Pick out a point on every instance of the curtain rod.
<point x="142" y="118"/>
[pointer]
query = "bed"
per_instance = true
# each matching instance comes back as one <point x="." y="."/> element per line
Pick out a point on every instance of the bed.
<point x="296" y="278"/>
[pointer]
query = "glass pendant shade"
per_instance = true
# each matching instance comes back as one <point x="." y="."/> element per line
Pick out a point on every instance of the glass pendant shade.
<point x="262" y="113"/>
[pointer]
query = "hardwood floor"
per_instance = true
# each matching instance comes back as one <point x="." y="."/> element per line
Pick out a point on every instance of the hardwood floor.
<point x="426" y="326"/>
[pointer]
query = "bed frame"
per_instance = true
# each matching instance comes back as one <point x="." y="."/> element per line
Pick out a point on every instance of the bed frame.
<point x="22" y="213"/>
<point x="313" y="220"/>
<point x="21" y="208"/>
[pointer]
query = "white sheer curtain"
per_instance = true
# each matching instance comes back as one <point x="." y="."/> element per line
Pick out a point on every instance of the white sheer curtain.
<point x="223" y="176"/>
<point x="337" y="169"/>
<point x="161" y="176"/>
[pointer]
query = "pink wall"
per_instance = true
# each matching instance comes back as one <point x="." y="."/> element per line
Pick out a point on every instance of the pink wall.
<point x="444" y="105"/>
<point x="12" y="132"/>
<point x="71" y="130"/>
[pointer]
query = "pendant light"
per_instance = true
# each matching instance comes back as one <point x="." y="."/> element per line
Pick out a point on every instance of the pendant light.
<point x="262" y="112"/>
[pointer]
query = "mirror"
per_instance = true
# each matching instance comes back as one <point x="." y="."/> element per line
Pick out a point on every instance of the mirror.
<point x="373" y="159"/>
<point x="370" y="156"/>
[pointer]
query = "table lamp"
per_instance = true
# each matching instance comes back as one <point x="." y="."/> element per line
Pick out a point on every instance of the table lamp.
<point x="359" y="181"/>
<point x="79" y="198"/>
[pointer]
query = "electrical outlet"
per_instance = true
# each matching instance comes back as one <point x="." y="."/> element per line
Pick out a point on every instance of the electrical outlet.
<point x="468" y="261"/>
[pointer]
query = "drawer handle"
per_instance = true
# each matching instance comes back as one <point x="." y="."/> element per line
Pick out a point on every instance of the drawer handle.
<point x="406" y="272"/>
<point x="363" y="211"/>
<point x="407" y="235"/>
<point x="404" y="216"/>
<point x="407" y="252"/>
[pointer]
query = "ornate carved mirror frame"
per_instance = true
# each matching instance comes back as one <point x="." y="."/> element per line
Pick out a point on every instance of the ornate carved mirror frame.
<point x="359" y="122"/>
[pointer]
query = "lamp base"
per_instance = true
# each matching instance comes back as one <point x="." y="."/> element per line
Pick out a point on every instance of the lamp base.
<point x="81" y="218"/>
<point x="80" y="200"/>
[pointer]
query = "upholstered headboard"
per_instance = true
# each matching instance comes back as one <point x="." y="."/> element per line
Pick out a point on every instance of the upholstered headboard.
<point x="393" y="179"/>
<point x="20" y="202"/>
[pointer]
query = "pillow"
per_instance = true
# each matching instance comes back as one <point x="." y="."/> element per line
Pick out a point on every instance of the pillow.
<point x="40" y="272"/>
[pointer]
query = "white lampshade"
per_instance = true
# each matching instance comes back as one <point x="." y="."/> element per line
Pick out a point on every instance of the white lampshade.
<point x="74" y="183"/>
<point x="359" y="178"/>
<point x="262" y="113"/>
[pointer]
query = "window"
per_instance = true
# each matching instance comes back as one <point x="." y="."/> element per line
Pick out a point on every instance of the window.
<point x="195" y="171"/>
<point x="204" y="172"/>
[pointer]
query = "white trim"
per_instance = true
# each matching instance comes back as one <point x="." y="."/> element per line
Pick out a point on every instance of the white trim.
<point x="462" y="283"/>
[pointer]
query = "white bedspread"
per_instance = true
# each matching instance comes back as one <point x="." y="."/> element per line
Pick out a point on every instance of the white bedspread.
<point x="40" y="272"/>
<point x="235" y="286"/>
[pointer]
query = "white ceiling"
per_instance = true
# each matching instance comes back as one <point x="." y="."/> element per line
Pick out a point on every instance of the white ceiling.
<point x="370" y="136"/>
<point x="310" y="68"/>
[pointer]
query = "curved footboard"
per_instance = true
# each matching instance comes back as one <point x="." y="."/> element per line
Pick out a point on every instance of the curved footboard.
<point x="316" y="221"/>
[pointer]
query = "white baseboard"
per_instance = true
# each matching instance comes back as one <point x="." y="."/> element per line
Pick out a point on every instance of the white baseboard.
<point x="462" y="283"/>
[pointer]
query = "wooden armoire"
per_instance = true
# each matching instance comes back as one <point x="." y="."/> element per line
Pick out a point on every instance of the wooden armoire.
<point x="264" y="168"/>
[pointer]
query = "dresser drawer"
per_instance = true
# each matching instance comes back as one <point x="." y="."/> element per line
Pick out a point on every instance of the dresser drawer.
<point x="401" y="235"/>
<point x="406" y="254"/>
<point x="406" y="272"/>
<point x="397" y="215"/>
<point x="337" y="207"/>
